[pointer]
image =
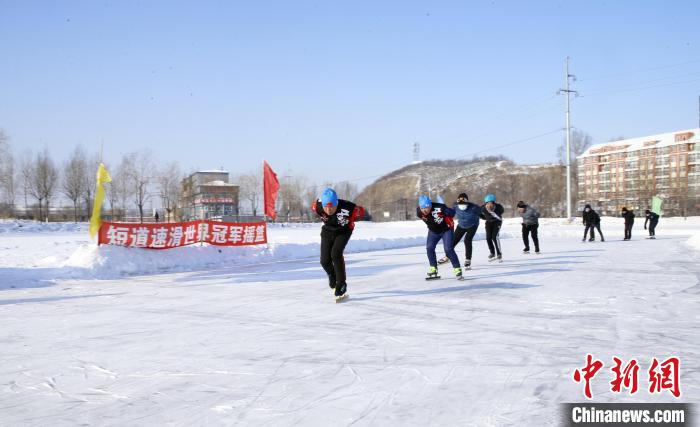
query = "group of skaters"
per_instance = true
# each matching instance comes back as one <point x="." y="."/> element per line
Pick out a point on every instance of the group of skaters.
<point x="339" y="218"/>
<point x="591" y="221"/>
<point x="440" y="220"/>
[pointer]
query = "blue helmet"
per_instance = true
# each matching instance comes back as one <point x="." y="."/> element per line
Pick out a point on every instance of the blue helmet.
<point x="490" y="198"/>
<point x="424" y="202"/>
<point x="329" y="197"/>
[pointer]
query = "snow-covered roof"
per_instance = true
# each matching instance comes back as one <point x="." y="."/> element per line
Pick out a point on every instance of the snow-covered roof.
<point x="219" y="184"/>
<point x="212" y="171"/>
<point x="651" y="141"/>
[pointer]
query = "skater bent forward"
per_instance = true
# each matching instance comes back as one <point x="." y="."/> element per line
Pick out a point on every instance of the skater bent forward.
<point x="439" y="219"/>
<point x="653" y="219"/>
<point x="338" y="218"/>
<point x="492" y="213"/>
<point x="591" y="220"/>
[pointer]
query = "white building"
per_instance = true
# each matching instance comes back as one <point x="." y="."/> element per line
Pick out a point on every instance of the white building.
<point x="630" y="172"/>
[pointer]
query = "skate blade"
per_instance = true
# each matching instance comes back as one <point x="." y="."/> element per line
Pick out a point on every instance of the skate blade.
<point x="341" y="298"/>
<point x="432" y="278"/>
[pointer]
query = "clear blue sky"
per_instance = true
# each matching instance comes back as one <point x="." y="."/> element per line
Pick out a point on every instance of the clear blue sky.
<point x="340" y="90"/>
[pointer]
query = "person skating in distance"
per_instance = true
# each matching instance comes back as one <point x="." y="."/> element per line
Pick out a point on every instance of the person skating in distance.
<point x="628" y="215"/>
<point x="530" y="225"/>
<point x="492" y="214"/>
<point x="591" y="220"/>
<point x="653" y="219"/>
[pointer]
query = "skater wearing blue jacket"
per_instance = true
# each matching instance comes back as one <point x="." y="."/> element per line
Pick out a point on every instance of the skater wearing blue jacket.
<point x="467" y="215"/>
<point x="439" y="219"/>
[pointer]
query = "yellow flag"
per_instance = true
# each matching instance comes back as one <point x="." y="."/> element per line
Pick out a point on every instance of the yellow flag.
<point x="96" y="220"/>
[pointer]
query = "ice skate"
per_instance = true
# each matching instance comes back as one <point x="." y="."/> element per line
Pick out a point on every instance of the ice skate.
<point x="340" y="293"/>
<point x="432" y="274"/>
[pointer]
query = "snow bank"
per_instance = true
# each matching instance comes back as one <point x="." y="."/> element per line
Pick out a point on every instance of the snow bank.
<point x="63" y="250"/>
<point x="22" y="226"/>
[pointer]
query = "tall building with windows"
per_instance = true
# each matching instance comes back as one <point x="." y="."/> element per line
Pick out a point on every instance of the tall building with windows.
<point x="630" y="172"/>
<point x="208" y="194"/>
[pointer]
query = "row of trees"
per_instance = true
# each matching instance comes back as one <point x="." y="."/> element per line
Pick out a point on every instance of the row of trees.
<point x="137" y="182"/>
<point x="41" y="181"/>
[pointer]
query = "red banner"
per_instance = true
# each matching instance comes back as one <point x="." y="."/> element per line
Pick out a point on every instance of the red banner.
<point x="270" y="187"/>
<point x="176" y="234"/>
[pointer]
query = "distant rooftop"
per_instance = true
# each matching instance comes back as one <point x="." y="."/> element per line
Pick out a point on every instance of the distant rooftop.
<point x="651" y="141"/>
<point x="212" y="171"/>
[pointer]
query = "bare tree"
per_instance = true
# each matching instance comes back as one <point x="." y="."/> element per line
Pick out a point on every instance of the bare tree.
<point x="290" y="195"/>
<point x="138" y="170"/>
<point x="251" y="186"/>
<point x="509" y="191"/>
<point x="116" y="190"/>
<point x="169" y="180"/>
<point x="302" y="207"/>
<point x="346" y="190"/>
<point x="43" y="177"/>
<point x="74" y="182"/>
<point x="7" y="175"/>
<point x="580" y="142"/>
<point x="309" y="196"/>
<point x="90" y="186"/>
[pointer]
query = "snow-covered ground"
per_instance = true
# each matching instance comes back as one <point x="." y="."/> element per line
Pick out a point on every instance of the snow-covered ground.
<point x="251" y="336"/>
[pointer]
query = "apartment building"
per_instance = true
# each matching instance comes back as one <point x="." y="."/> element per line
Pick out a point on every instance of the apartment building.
<point x="630" y="172"/>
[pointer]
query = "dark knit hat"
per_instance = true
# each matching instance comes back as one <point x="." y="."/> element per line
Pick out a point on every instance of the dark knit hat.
<point x="462" y="197"/>
<point x="521" y="204"/>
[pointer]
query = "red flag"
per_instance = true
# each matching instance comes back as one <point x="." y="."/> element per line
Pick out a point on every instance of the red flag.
<point x="270" y="187"/>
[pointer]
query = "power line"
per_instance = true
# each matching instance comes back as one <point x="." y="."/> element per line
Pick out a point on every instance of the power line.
<point x="519" y="141"/>
<point x="643" y="87"/>
<point x="641" y="70"/>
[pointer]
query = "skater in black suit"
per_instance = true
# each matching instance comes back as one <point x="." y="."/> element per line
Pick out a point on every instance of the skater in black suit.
<point x="338" y="218"/>
<point x="629" y="222"/>
<point x="591" y="220"/>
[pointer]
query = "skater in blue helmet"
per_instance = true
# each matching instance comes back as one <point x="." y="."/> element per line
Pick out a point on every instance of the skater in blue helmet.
<point x="439" y="219"/>
<point x="338" y="218"/>
<point x="492" y="214"/>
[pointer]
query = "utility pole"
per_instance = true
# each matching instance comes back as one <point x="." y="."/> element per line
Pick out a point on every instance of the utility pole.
<point x="568" y="93"/>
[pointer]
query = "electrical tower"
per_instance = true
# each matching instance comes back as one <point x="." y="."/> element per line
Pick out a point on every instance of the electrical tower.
<point x="568" y="93"/>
